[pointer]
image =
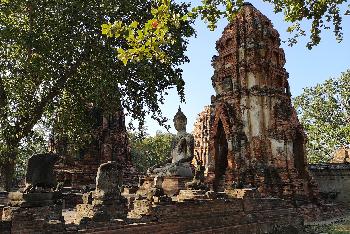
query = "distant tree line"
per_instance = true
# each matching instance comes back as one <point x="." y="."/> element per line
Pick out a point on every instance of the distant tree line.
<point x="147" y="151"/>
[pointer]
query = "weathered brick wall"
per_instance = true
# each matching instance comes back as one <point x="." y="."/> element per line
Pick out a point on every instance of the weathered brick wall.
<point x="251" y="215"/>
<point x="46" y="219"/>
<point x="218" y="216"/>
<point x="333" y="181"/>
<point x="201" y="136"/>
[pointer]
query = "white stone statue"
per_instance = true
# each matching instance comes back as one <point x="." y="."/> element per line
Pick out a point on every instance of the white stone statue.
<point x="179" y="164"/>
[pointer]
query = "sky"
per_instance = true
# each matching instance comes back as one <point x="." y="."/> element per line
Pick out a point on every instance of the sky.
<point x="306" y="67"/>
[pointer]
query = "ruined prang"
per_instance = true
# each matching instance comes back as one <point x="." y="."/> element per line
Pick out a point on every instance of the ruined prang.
<point x="109" y="143"/>
<point x="255" y="137"/>
<point x="201" y="134"/>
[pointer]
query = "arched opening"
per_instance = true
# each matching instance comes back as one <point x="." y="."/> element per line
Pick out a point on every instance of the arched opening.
<point x="221" y="150"/>
<point x="298" y="151"/>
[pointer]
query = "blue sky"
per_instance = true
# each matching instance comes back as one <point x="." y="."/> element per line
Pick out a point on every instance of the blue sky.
<point x="306" y="67"/>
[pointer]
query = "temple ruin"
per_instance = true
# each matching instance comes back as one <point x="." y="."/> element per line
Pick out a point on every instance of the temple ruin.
<point x="255" y="138"/>
<point x="248" y="174"/>
<point x="110" y="143"/>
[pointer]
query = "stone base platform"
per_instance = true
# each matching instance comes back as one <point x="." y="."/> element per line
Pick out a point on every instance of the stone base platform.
<point x="33" y="213"/>
<point x="170" y="185"/>
<point x="256" y="215"/>
<point x="186" y="195"/>
<point x="242" y="193"/>
<point x="36" y="199"/>
<point x="173" y="185"/>
<point x="101" y="208"/>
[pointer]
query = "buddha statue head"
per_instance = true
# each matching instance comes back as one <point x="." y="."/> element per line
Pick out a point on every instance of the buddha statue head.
<point x="180" y="121"/>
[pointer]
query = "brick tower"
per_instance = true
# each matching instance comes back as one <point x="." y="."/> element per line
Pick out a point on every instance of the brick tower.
<point x="255" y="137"/>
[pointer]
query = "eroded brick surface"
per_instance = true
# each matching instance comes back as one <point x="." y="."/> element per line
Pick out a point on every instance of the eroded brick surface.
<point x="110" y="143"/>
<point x="255" y="138"/>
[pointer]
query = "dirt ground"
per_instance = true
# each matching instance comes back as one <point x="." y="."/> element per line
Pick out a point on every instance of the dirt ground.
<point x="333" y="226"/>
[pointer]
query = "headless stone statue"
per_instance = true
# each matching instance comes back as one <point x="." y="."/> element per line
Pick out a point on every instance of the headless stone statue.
<point x="40" y="172"/>
<point x="105" y="203"/>
<point x="108" y="179"/>
<point x="179" y="164"/>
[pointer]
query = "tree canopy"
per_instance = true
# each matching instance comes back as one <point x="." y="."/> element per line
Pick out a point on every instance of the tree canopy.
<point x="324" y="111"/>
<point x="148" y="40"/>
<point x="55" y="64"/>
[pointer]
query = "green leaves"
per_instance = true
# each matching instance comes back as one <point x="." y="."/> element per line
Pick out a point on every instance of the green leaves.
<point x="55" y="65"/>
<point x="145" y="41"/>
<point x="155" y="33"/>
<point x="322" y="14"/>
<point x="324" y="111"/>
<point x="150" y="150"/>
<point x="106" y="29"/>
<point x="148" y="40"/>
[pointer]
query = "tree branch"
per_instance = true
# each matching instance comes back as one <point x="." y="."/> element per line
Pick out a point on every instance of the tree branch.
<point x="27" y="122"/>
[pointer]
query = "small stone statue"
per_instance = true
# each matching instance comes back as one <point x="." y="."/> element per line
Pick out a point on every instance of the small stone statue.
<point x="40" y="172"/>
<point x="179" y="164"/>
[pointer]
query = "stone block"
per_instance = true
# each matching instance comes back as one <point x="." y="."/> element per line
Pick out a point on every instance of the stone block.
<point x="34" y="199"/>
<point x="185" y="195"/>
<point x="173" y="185"/>
<point x="242" y="193"/>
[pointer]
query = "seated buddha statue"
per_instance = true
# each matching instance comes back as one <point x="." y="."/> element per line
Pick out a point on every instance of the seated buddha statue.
<point x="179" y="164"/>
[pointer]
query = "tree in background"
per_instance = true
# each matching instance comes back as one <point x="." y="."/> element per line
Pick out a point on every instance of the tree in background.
<point x="148" y="40"/>
<point x="147" y="151"/>
<point x="324" y="111"/>
<point x="55" y="64"/>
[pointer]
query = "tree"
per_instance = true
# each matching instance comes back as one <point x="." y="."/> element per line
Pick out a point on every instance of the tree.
<point x="324" y="111"/>
<point x="147" y="40"/>
<point x="148" y="151"/>
<point x="55" y="63"/>
<point x="35" y="143"/>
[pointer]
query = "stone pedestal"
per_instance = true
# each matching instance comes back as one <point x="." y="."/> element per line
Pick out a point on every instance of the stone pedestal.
<point x="35" y="199"/>
<point x="170" y="185"/>
<point x="101" y="208"/>
<point x="173" y="185"/>
<point x="34" y="212"/>
<point x="143" y="207"/>
<point x="242" y="193"/>
<point x="106" y="202"/>
<point x="185" y="195"/>
<point x="146" y="184"/>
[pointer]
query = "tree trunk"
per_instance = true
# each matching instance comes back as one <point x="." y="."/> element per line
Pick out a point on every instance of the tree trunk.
<point x="7" y="169"/>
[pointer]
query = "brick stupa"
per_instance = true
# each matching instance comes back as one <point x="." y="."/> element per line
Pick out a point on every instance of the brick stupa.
<point x="255" y="137"/>
<point x="110" y="143"/>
